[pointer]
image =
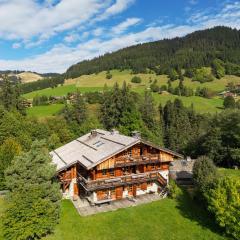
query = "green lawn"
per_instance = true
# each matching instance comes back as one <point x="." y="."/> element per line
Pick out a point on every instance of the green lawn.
<point x="229" y="172"/>
<point x="166" y="219"/>
<point x="44" y="111"/>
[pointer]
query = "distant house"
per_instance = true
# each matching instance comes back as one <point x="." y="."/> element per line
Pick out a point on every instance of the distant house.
<point x="26" y="103"/>
<point x="56" y="99"/>
<point x="104" y="166"/>
<point x="164" y="92"/>
<point x="227" y="93"/>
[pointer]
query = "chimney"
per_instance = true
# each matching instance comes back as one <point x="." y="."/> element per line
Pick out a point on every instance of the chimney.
<point x="93" y="133"/>
<point x="136" y="134"/>
<point x="114" y="131"/>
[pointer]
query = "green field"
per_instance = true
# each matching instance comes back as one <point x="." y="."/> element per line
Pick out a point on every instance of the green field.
<point x="201" y="105"/>
<point x="95" y="82"/>
<point x="44" y="111"/>
<point x="60" y="91"/>
<point x="98" y="80"/>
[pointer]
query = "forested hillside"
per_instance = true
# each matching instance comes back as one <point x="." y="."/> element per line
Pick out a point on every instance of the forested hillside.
<point x="196" y="50"/>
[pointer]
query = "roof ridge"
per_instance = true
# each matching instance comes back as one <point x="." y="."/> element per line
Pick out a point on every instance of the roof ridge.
<point x="60" y="157"/>
<point x="87" y="159"/>
<point x="113" y="141"/>
<point x="86" y="144"/>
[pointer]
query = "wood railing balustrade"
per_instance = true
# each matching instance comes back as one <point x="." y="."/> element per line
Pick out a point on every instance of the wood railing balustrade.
<point x="136" y="160"/>
<point x="91" y="185"/>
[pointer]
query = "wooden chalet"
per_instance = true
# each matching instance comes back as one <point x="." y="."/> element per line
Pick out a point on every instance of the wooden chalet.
<point x="104" y="166"/>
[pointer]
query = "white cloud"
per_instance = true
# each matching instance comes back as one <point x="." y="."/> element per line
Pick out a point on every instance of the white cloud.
<point x="73" y="37"/>
<point x="16" y="45"/>
<point x="98" y="31"/>
<point x="118" y="7"/>
<point x="60" y="57"/>
<point x="193" y="2"/>
<point x="120" y="28"/>
<point x="24" y="19"/>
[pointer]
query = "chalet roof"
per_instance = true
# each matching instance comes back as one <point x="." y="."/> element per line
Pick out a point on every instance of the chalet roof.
<point x="93" y="148"/>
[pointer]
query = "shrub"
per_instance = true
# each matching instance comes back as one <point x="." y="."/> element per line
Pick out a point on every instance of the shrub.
<point x="202" y="75"/>
<point x="154" y="87"/>
<point x="174" y="190"/>
<point x="108" y="75"/>
<point x="229" y="102"/>
<point x="204" y="174"/>
<point x="136" y="79"/>
<point x="224" y="203"/>
<point x="218" y="69"/>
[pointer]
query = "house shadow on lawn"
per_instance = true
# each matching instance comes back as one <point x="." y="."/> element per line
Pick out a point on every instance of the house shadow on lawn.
<point x="197" y="212"/>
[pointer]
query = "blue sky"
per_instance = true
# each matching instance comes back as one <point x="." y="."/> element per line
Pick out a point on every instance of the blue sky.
<point x="51" y="35"/>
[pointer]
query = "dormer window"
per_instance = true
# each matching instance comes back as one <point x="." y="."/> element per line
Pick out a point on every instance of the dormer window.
<point x="98" y="143"/>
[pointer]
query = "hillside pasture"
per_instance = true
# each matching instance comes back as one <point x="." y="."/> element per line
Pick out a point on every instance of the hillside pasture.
<point x="44" y="111"/>
<point x="201" y="105"/>
<point x="96" y="82"/>
<point x="60" y="91"/>
<point x="27" y="77"/>
<point x="99" y="80"/>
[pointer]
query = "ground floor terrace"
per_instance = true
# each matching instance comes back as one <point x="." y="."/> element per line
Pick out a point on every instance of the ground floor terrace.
<point x="84" y="207"/>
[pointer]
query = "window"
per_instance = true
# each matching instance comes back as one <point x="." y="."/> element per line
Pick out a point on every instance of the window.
<point x="111" y="172"/>
<point x="129" y="152"/>
<point x="104" y="172"/>
<point x="113" y="191"/>
<point x="98" y="143"/>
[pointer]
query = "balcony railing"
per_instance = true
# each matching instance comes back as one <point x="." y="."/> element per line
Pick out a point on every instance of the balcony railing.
<point x="91" y="185"/>
<point x="137" y="160"/>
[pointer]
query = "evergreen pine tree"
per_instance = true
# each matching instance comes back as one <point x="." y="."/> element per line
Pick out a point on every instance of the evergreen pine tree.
<point x="79" y="109"/>
<point x="32" y="209"/>
<point x="148" y="110"/>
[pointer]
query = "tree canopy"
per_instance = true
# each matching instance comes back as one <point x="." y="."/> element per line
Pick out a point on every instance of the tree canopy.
<point x="32" y="209"/>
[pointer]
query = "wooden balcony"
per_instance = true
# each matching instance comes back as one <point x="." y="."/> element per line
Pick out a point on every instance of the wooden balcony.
<point x="138" y="160"/>
<point x="91" y="185"/>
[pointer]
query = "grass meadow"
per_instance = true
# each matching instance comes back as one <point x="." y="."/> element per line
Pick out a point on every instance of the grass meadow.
<point x="44" y="111"/>
<point x="96" y="82"/>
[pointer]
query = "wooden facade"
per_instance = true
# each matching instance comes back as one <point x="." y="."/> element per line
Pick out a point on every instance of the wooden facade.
<point x="131" y="171"/>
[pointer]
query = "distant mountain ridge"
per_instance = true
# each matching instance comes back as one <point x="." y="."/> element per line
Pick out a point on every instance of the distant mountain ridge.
<point x="26" y="76"/>
<point x="195" y="50"/>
